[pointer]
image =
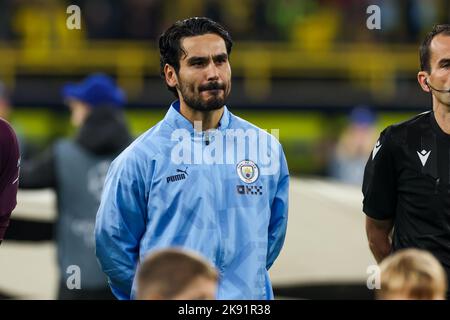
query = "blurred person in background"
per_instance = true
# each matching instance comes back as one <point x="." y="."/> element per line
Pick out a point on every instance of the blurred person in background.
<point x="5" y="20"/>
<point x="284" y="15"/>
<point x="102" y="18"/>
<point x="75" y="169"/>
<point x="230" y="211"/>
<point x="412" y="274"/>
<point x="9" y="174"/>
<point x="176" y="274"/>
<point x="40" y="28"/>
<point x="26" y="149"/>
<point x="5" y="107"/>
<point x="420" y="16"/>
<point x="407" y="177"/>
<point x="353" y="147"/>
<point x="142" y="19"/>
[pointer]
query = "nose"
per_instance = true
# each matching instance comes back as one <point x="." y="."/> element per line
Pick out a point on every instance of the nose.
<point x="212" y="72"/>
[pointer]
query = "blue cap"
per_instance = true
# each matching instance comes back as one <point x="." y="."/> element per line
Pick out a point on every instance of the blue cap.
<point x="96" y="90"/>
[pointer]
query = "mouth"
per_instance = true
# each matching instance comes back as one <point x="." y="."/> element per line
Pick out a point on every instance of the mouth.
<point x="212" y="91"/>
<point x="212" y="88"/>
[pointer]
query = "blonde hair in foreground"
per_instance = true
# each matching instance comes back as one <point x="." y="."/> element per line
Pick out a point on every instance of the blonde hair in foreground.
<point x="176" y="274"/>
<point x="412" y="274"/>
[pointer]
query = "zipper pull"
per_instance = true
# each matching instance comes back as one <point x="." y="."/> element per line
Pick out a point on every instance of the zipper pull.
<point x="207" y="137"/>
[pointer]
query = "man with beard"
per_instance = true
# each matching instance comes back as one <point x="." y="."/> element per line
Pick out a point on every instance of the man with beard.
<point x="406" y="183"/>
<point x="165" y="189"/>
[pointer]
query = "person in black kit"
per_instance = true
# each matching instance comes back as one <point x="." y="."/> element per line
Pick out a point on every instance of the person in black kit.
<point x="406" y="181"/>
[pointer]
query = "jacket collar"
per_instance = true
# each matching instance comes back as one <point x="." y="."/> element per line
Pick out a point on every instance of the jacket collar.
<point x="176" y="120"/>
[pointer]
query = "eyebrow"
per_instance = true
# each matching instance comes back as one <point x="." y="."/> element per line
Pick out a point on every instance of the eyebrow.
<point x="220" y="57"/>
<point x="217" y="57"/>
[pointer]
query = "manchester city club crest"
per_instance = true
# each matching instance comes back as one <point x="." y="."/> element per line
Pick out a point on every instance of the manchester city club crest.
<point x="247" y="171"/>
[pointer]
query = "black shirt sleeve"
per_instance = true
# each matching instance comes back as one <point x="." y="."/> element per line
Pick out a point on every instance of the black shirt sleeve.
<point x="38" y="172"/>
<point x="380" y="179"/>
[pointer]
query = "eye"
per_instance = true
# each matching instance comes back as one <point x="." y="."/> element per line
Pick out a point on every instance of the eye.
<point x="221" y="60"/>
<point x="198" y="63"/>
<point x="445" y="65"/>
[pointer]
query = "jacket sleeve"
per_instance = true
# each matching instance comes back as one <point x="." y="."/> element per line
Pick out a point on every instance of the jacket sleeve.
<point x="279" y="213"/>
<point x="120" y="223"/>
<point x="39" y="172"/>
<point x="9" y="172"/>
<point x="380" y="180"/>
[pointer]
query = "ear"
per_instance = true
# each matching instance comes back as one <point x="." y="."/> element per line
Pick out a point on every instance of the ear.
<point x="422" y="77"/>
<point x="170" y="75"/>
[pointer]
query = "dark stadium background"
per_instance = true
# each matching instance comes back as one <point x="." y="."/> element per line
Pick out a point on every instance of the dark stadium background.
<point x="298" y="66"/>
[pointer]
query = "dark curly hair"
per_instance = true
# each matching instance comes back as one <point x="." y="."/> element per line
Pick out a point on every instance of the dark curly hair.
<point x="170" y="48"/>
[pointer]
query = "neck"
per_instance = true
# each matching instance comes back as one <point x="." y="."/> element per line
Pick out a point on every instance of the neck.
<point x="208" y="119"/>
<point x="442" y="116"/>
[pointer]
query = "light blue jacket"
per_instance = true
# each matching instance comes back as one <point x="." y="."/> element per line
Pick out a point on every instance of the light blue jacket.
<point x="208" y="192"/>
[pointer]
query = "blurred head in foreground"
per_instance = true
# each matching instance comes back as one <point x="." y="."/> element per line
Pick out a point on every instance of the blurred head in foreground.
<point x="412" y="274"/>
<point x="174" y="274"/>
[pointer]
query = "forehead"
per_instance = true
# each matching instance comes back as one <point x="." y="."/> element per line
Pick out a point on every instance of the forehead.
<point x="440" y="47"/>
<point x="203" y="46"/>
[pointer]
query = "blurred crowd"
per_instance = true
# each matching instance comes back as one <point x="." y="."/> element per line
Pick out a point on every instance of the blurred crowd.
<point x="260" y="20"/>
